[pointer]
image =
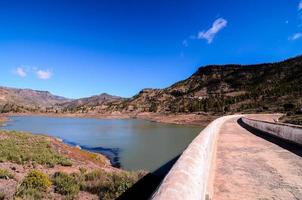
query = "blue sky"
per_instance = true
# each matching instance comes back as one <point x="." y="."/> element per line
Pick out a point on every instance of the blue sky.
<point x="82" y="48"/>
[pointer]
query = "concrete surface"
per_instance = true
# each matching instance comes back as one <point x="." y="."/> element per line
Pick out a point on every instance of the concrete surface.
<point x="251" y="165"/>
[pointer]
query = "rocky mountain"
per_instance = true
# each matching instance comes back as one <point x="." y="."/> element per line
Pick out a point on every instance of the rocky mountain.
<point x="19" y="100"/>
<point x="228" y="88"/>
<point x="98" y="102"/>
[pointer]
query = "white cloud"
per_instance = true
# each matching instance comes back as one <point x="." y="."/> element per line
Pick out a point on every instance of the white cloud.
<point x="210" y="34"/>
<point x="296" y="36"/>
<point x="300" y="5"/>
<point x="44" y="74"/>
<point x="21" y="72"/>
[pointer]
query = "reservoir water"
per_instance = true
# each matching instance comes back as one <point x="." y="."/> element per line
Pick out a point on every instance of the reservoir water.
<point x="133" y="144"/>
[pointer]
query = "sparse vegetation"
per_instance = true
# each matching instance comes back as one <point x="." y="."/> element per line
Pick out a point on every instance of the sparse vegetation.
<point x="117" y="185"/>
<point x="5" y="174"/>
<point x="108" y="185"/>
<point x="34" y="185"/>
<point x="22" y="148"/>
<point x="66" y="185"/>
<point x="32" y="150"/>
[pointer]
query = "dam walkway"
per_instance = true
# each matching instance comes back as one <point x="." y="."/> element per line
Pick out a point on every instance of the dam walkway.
<point x="250" y="165"/>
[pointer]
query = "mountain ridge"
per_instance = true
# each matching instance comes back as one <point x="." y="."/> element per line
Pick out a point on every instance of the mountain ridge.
<point x="212" y="88"/>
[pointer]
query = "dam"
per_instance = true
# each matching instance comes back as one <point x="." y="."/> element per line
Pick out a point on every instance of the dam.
<point x="235" y="157"/>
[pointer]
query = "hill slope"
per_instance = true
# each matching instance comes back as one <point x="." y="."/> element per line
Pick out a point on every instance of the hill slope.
<point x="19" y="100"/>
<point x="89" y="103"/>
<point x="224" y="88"/>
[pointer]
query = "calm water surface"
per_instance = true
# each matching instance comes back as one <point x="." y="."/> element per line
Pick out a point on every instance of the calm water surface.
<point x="132" y="143"/>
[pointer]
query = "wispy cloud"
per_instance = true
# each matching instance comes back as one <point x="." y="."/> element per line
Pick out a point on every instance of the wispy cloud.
<point x="296" y="36"/>
<point x="26" y="70"/>
<point x="300" y="5"/>
<point x="210" y="34"/>
<point x="44" y="74"/>
<point x="20" y="71"/>
<point x="185" y="43"/>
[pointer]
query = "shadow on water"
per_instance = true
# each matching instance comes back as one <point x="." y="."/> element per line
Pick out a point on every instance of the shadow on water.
<point x="145" y="187"/>
<point x="111" y="153"/>
<point x="285" y="144"/>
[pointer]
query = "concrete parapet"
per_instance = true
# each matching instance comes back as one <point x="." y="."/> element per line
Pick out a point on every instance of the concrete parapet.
<point x="190" y="177"/>
<point x="288" y="132"/>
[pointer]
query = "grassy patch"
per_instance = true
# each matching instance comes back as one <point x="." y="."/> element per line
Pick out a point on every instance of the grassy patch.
<point x="108" y="185"/>
<point x="5" y="174"/>
<point x="34" y="185"/>
<point x="21" y="148"/>
<point x="66" y="185"/>
<point x="117" y="184"/>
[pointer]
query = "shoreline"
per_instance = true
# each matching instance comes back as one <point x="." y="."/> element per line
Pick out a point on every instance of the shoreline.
<point x="3" y="119"/>
<point x="193" y="119"/>
<point x="57" y="157"/>
<point x="177" y="119"/>
<point x="68" y="145"/>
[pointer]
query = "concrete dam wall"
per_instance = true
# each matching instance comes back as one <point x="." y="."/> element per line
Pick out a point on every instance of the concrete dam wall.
<point x="287" y="132"/>
<point x="191" y="176"/>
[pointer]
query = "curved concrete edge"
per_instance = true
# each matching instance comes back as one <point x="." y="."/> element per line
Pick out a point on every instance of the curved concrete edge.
<point x="190" y="177"/>
<point x="288" y="132"/>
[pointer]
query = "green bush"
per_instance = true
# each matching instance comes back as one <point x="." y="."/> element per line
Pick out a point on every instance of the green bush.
<point x="66" y="184"/>
<point x="34" y="185"/>
<point x="65" y="162"/>
<point x="94" y="175"/>
<point x="30" y="194"/>
<point x="5" y="174"/>
<point x="94" y="181"/>
<point x="117" y="184"/>
<point x="36" y="179"/>
<point x="108" y="185"/>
